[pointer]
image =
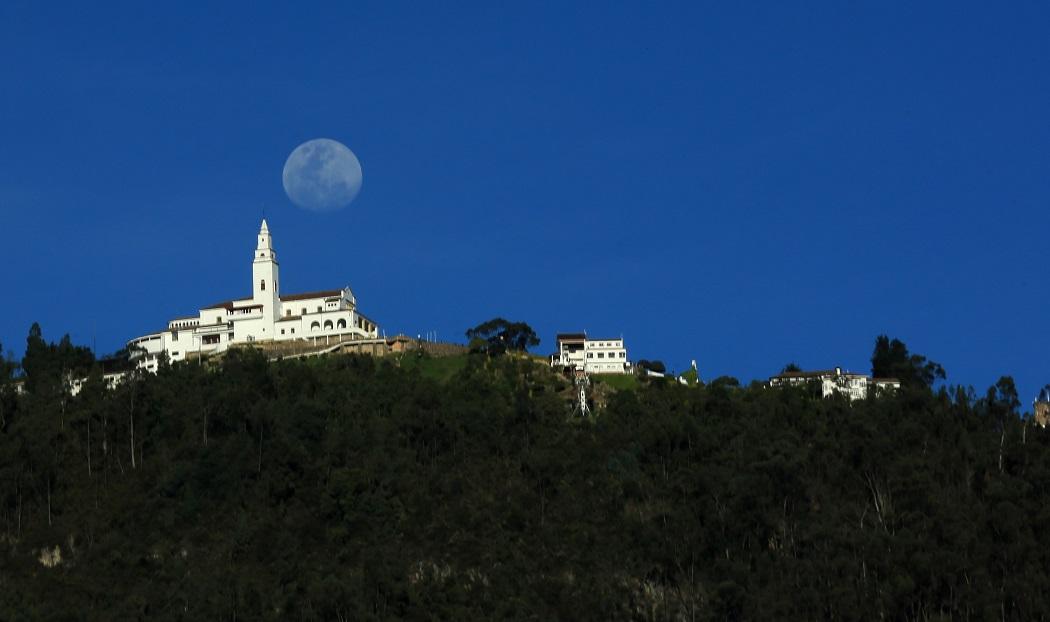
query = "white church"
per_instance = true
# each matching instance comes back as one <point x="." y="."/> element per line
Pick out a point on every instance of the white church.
<point x="265" y="316"/>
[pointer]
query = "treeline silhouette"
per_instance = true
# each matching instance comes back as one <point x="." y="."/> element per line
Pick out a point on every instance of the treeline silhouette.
<point x="352" y="488"/>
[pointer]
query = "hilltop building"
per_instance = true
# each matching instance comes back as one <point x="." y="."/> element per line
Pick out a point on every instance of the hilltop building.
<point x="267" y="315"/>
<point x="578" y="352"/>
<point x="1042" y="407"/>
<point x="832" y="381"/>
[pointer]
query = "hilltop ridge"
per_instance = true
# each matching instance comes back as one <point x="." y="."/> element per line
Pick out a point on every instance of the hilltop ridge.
<point x="351" y="487"/>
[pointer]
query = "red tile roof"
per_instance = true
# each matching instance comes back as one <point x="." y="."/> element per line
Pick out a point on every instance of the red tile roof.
<point x="572" y="337"/>
<point x="330" y="293"/>
<point x="228" y="304"/>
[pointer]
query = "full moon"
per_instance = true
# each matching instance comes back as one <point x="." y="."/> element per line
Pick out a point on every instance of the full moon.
<point x="322" y="175"/>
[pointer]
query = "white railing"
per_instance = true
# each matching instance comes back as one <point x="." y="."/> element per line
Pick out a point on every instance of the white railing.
<point x="207" y="329"/>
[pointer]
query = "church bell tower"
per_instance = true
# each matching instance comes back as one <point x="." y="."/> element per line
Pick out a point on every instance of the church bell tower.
<point x="266" y="282"/>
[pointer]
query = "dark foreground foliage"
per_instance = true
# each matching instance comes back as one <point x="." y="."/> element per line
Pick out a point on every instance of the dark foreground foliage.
<point x="351" y="489"/>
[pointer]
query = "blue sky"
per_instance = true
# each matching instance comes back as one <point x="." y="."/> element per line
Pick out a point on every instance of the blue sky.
<point x="744" y="184"/>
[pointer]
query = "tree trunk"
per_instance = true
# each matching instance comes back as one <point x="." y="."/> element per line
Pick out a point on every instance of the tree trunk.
<point x="89" y="446"/>
<point x="1002" y="439"/>
<point x="131" y="417"/>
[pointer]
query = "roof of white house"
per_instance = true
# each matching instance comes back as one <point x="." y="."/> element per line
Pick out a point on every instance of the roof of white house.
<point x="328" y="293"/>
<point x="571" y="337"/>
<point x="227" y="304"/>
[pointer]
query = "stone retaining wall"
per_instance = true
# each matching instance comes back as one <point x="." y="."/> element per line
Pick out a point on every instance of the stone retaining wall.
<point x="372" y="347"/>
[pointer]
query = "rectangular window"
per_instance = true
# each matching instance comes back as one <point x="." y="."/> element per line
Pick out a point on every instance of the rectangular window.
<point x="590" y="355"/>
<point x="318" y="309"/>
<point x="601" y="355"/>
<point x="293" y="331"/>
<point x="282" y="331"/>
<point x="210" y="339"/>
<point x="174" y="335"/>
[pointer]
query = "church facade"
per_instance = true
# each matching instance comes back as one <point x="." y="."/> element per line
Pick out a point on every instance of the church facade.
<point x="267" y="315"/>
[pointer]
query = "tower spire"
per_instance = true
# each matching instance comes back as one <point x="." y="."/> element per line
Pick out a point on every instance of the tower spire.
<point x="265" y="242"/>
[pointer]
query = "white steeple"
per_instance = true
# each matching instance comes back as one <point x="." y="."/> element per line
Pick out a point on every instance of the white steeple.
<point x="265" y="276"/>
<point x="265" y="248"/>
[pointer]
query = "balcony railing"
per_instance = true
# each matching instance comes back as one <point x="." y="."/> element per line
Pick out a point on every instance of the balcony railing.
<point x="208" y="329"/>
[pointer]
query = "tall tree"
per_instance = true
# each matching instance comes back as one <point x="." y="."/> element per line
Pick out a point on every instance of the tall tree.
<point x="7" y="370"/>
<point x="1000" y="405"/>
<point x="48" y="366"/>
<point x="498" y="335"/>
<point x="37" y="361"/>
<point x="891" y="359"/>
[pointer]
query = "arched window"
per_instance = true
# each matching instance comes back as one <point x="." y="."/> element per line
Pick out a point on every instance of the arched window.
<point x="315" y="326"/>
<point x="262" y="284"/>
<point x="341" y="324"/>
<point x="328" y="324"/>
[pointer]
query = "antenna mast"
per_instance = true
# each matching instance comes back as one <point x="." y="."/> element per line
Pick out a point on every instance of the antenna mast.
<point x="582" y="381"/>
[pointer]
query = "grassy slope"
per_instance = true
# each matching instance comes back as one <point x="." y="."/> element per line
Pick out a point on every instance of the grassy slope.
<point x="439" y="369"/>
<point x="620" y="382"/>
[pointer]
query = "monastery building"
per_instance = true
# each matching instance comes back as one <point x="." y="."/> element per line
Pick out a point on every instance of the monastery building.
<point x="266" y="315"/>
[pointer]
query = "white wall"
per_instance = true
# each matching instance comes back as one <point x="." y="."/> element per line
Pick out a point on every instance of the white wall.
<point x="304" y="325"/>
<point x="256" y="324"/>
<point x="612" y="360"/>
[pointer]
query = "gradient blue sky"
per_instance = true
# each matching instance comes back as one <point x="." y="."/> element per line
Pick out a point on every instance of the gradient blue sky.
<point x="744" y="184"/>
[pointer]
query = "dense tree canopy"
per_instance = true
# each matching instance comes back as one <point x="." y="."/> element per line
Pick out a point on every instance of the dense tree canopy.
<point x="355" y="488"/>
<point x="498" y="335"/>
<point x="656" y="366"/>
<point x="891" y="359"/>
<point x="47" y="366"/>
<point x="7" y="366"/>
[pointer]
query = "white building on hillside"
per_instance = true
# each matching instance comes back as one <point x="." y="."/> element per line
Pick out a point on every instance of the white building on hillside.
<point x="577" y="351"/>
<point x="266" y="315"/>
<point x="1041" y="407"/>
<point x="832" y="381"/>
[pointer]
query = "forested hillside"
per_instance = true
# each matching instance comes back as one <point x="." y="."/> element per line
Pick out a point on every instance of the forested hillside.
<point x="350" y="488"/>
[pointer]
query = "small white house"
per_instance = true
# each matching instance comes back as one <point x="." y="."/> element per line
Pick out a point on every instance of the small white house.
<point x="832" y="381"/>
<point x="110" y="380"/>
<point x="577" y="351"/>
<point x="267" y="315"/>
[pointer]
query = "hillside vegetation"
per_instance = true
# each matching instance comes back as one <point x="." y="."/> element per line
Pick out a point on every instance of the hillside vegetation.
<point x="351" y="488"/>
